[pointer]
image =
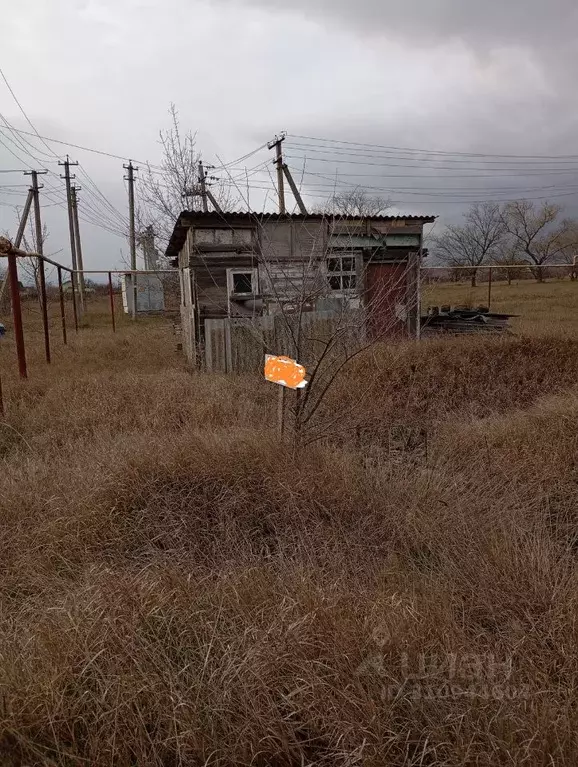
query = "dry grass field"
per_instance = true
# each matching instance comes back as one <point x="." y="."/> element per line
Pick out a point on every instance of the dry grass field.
<point x="544" y="308"/>
<point x="179" y="588"/>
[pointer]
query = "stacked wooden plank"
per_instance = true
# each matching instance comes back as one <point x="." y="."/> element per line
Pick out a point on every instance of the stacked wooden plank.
<point x="460" y="320"/>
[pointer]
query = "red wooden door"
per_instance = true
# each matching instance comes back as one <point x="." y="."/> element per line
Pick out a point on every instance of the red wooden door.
<point x="386" y="299"/>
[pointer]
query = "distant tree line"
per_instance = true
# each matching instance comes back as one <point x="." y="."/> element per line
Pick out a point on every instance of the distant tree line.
<point x="517" y="234"/>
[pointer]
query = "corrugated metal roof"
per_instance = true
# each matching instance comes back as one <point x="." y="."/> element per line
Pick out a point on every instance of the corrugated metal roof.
<point x="187" y="218"/>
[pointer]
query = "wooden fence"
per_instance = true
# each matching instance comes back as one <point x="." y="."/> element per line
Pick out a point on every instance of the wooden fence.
<point x="239" y="345"/>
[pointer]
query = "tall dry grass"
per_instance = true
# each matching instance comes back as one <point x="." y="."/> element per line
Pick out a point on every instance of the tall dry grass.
<point x="540" y="309"/>
<point x="178" y="588"/>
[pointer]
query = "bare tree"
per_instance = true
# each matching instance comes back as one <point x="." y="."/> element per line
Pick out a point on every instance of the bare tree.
<point x="541" y="235"/>
<point x="325" y="308"/>
<point x="569" y="254"/>
<point x="511" y="257"/>
<point x="356" y="202"/>
<point x="165" y="192"/>
<point x="474" y="243"/>
<point x="31" y="265"/>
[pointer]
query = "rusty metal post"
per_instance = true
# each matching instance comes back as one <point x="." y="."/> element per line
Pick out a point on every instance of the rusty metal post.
<point x="17" y="314"/>
<point x="44" y="308"/>
<point x="74" y="309"/>
<point x="490" y="288"/>
<point x="111" y="294"/>
<point x="62" y="309"/>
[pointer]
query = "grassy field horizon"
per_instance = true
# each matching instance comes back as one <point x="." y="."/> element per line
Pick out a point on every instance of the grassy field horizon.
<point x="549" y="307"/>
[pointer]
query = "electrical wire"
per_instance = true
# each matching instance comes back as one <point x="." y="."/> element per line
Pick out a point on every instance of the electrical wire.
<point x="88" y="149"/>
<point x="424" y="157"/>
<point x="549" y="171"/>
<point x="330" y="193"/>
<point x="122" y="219"/>
<point x="93" y="190"/>
<point x="23" y="112"/>
<point x="434" y="191"/>
<point x="431" y="151"/>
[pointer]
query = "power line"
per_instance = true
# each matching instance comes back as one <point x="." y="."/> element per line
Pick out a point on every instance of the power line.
<point x="554" y="171"/>
<point x="418" y="162"/>
<point x="15" y="132"/>
<point x="24" y="113"/>
<point x="428" y="190"/>
<point x="432" y="151"/>
<point x="423" y="156"/>
<point x="106" y="201"/>
<point x="51" y="189"/>
<point x="468" y="201"/>
<point x="240" y="159"/>
<point x="81" y="148"/>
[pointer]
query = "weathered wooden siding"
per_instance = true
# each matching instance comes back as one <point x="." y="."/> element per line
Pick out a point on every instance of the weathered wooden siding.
<point x="240" y="345"/>
<point x="292" y="263"/>
<point x="188" y="316"/>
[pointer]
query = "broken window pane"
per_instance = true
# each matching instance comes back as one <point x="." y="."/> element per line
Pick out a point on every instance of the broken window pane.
<point x="335" y="283"/>
<point x="334" y="264"/>
<point x="349" y="282"/>
<point x="242" y="282"/>
<point x="348" y="264"/>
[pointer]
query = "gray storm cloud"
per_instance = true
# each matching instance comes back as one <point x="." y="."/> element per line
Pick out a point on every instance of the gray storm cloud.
<point x="481" y="25"/>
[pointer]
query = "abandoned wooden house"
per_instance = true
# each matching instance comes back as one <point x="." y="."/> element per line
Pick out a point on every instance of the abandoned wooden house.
<point x="238" y="269"/>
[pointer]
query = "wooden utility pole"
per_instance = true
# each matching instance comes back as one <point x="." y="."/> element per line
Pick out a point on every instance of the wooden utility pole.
<point x="279" y="163"/>
<point x="35" y="189"/>
<point x="205" y="193"/>
<point x="40" y="250"/>
<point x="17" y="311"/>
<point x="295" y="191"/>
<point x="24" y="219"/>
<point x="67" y="177"/>
<point x="214" y="202"/>
<point x="79" y="259"/>
<point x="132" y="232"/>
<point x="19" y="236"/>
<point x="203" y="185"/>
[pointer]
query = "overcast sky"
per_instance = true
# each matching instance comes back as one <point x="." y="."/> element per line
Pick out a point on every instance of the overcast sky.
<point x="451" y="75"/>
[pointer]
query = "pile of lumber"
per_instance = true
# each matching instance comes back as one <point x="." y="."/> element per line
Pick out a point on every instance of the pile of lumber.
<point x="458" y="320"/>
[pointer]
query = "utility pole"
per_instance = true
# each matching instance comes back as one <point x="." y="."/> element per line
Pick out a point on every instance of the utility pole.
<point x="19" y="236"/>
<point x="147" y="242"/>
<point x="132" y="232"/>
<point x="24" y="219"/>
<point x="202" y="182"/>
<point x="41" y="285"/>
<point x="67" y="177"/>
<point x="278" y="161"/>
<point x="35" y="189"/>
<point x="79" y="259"/>
<point x="283" y="170"/>
<point x="295" y="191"/>
<point x="205" y="192"/>
<point x="214" y="202"/>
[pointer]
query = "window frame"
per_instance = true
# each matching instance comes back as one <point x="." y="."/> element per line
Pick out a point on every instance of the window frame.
<point x="231" y="281"/>
<point x="341" y="274"/>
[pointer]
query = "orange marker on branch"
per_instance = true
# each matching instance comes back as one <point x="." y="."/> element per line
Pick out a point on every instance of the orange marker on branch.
<point x="285" y="372"/>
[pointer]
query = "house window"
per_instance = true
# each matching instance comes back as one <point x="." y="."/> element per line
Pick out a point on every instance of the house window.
<point x="242" y="282"/>
<point x="341" y="273"/>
